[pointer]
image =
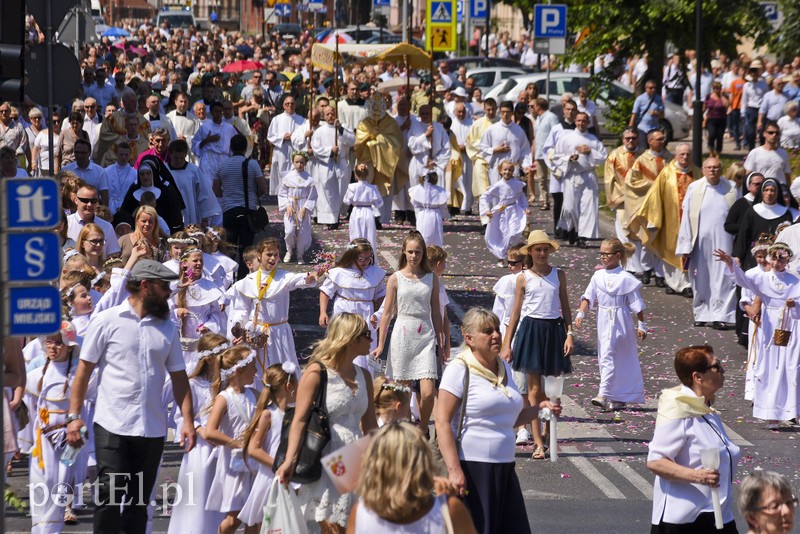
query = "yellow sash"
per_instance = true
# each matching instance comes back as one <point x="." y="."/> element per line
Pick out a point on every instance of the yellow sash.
<point x="674" y="404"/>
<point x="474" y="366"/>
<point x="262" y="290"/>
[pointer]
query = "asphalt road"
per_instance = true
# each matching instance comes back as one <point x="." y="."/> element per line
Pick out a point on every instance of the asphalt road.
<point x="600" y="482"/>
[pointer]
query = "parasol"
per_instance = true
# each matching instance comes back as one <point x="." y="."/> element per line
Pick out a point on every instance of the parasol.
<point x="241" y="66"/>
<point x="393" y="85"/>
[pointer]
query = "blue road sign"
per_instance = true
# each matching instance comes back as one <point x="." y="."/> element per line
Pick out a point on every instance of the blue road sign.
<point x="283" y="10"/>
<point x="382" y="3"/>
<point x="477" y="9"/>
<point x="33" y="311"/>
<point x="30" y="203"/>
<point x="460" y="4"/>
<point x="36" y="257"/>
<point x="442" y="12"/>
<point x="549" y="21"/>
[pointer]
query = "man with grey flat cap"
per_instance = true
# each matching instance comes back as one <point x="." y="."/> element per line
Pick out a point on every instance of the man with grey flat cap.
<point x="134" y="345"/>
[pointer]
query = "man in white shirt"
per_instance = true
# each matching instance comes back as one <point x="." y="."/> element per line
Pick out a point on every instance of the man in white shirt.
<point x="102" y="91"/>
<point x="91" y="120"/>
<point x="86" y="200"/>
<point x="770" y="159"/>
<point x="134" y="346"/>
<point x="752" y="97"/>
<point x="89" y="171"/>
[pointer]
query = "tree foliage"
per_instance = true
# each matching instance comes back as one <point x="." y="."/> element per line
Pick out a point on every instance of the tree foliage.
<point x="785" y="42"/>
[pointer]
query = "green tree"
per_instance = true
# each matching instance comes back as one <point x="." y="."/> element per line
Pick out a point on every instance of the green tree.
<point x="785" y="42"/>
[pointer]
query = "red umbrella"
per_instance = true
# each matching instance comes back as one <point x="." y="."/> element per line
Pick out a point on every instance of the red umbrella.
<point x="241" y="66"/>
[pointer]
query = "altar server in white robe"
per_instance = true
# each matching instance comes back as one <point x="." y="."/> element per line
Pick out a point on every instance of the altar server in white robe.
<point x="212" y="145"/>
<point x="576" y="154"/>
<point x="330" y="169"/>
<point x="460" y="127"/>
<point x="201" y="203"/>
<point x="506" y="207"/>
<point x="430" y="206"/>
<point x="263" y="305"/>
<point x="429" y="143"/>
<point x="504" y="140"/>
<point x="776" y="397"/>
<point x="280" y="135"/>
<point x="297" y="198"/>
<point x="705" y="208"/>
<point x="401" y="203"/>
<point x="184" y="121"/>
<point x="366" y="201"/>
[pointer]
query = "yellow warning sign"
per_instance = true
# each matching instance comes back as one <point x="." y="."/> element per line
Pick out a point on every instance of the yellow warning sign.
<point x="270" y="3"/>
<point x="440" y="25"/>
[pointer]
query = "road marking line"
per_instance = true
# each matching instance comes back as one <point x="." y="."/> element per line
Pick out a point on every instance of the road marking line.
<point x="627" y="471"/>
<point x="589" y="471"/>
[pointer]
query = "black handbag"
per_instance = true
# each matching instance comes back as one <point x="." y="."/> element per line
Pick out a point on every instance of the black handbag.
<point x="257" y="219"/>
<point x="317" y="436"/>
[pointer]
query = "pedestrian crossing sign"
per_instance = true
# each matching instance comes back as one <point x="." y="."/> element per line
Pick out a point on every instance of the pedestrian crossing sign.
<point x="440" y="26"/>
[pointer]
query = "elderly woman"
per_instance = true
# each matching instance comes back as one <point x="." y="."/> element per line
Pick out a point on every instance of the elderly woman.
<point x="790" y="126"/>
<point x="478" y="445"/>
<point x="766" y="502"/>
<point x="686" y="424"/>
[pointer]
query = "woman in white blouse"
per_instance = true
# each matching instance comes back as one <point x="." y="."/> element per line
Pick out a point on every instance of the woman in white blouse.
<point x="790" y="126"/>
<point x="686" y="424"/>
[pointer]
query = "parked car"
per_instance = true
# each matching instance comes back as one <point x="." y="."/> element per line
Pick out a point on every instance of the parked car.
<point x="488" y="77"/>
<point x="392" y="39"/>
<point x="288" y="29"/>
<point x="356" y="34"/>
<point x="176" y="16"/>
<point x="473" y="62"/>
<point x="676" y="122"/>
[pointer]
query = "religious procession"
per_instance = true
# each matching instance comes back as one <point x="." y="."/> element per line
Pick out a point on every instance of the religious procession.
<point x="312" y="285"/>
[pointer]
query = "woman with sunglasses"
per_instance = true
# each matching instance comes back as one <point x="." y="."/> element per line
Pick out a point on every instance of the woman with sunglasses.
<point x="686" y="424"/>
<point x="91" y="243"/>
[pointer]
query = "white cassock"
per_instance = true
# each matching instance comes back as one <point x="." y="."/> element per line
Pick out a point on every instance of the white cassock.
<point x="185" y="125"/>
<point x="331" y="173"/>
<point x="120" y="179"/>
<point x="548" y="151"/>
<point x="791" y="236"/>
<point x="298" y="191"/>
<point x="581" y="195"/>
<point x="241" y="127"/>
<point x="162" y="121"/>
<point x="420" y="147"/>
<point x="366" y="201"/>
<point x="200" y="201"/>
<point x="461" y="130"/>
<point x="705" y="208"/>
<point x="430" y="207"/>
<point x="203" y="300"/>
<point x="350" y="115"/>
<point x="282" y="148"/>
<point x="506" y="201"/>
<point x="617" y="295"/>
<point x="213" y="154"/>
<point x="497" y="134"/>
<point x="401" y="201"/>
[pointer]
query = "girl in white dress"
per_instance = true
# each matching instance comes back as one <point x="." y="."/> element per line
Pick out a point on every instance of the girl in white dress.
<point x="506" y="206"/>
<point x="218" y="246"/>
<point x="616" y="293"/>
<point x="212" y="268"/>
<point x="199" y="464"/>
<point x="297" y="198"/>
<point x="263" y="435"/>
<point x="366" y="201"/>
<point x="752" y="309"/>
<point x="262" y="305"/>
<point x="417" y="337"/>
<point x="430" y="208"/>
<point x="776" y="397"/>
<point x="356" y="285"/>
<point x="80" y="305"/>
<point x="392" y="401"/>
<point x="230" y="414"/>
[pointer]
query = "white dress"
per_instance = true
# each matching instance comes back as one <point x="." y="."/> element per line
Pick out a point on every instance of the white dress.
<point x="354" y="291"/>
<point x="412" y="348"/>
<point x="433" y="522"/>
<point x="253" y="511"/>
<point x="321" y="501"/>
<point x="507" y="203"/>
<point x="753" y="337"/>
<point x="297" y="190"/>
<point x="203" y="300"/>
<point x="430" y="208"/>
<point x="616" y="294"/>
<point x="228" y="264"/>
<point x="366" y="201"/>
<point x="229" y="490"/>
<point x="190" y="516"/>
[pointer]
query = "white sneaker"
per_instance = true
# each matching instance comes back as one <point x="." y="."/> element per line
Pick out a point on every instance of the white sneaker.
<point x="523" y="436"/>
<point x="288" y="257"/>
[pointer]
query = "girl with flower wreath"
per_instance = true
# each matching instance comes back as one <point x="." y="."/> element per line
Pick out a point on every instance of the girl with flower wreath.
<point x="297" y="198"/>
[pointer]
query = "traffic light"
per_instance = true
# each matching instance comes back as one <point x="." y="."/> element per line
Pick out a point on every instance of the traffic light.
<point x="12" y="32"/>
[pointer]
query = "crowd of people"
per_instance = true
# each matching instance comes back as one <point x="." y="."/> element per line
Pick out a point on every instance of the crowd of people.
<point x="177" y="315"/>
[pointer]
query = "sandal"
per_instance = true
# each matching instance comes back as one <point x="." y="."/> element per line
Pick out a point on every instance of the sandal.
<point x="538" y="453"/>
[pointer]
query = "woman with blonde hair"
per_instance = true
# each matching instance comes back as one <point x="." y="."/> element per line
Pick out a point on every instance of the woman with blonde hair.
<point x="91" y="244"/>
<point x="391" y="497"/>
<point x="145" y="230"/>
<point x="348" y="402"/>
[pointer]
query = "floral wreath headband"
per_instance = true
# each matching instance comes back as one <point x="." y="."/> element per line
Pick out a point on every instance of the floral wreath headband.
<point x="289" y="368"/>
<point x="759" y="248"/>
<point x="182" y="241"/>
<point x="226" y="374"/>
<point x="781" y="251"/>
<point x="214" y="233"/>
<point x="219" y="349"/>
<point x="188" y="252"/>
<point x="302" y="153"/>
<point x="394" y="386"/>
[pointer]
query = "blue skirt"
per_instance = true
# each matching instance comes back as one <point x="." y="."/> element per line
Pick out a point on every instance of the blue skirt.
<point x="539" y="347"/>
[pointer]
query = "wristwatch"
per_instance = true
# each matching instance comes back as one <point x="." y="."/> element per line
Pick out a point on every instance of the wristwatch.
<point x="72" y="417"/>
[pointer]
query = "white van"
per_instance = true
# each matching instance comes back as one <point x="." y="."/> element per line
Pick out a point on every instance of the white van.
<point x="177" y="16"/>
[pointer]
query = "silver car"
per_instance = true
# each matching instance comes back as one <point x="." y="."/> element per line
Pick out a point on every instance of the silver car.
<point x="487" y="77"/>
<point x="676" y="121"/>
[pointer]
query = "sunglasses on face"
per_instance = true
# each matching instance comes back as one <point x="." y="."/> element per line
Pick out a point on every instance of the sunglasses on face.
<point x="514" y="262"/>
<point x="96" y="242"/>
<point x="367" y="334"/>
<point x="716" y="367"/>
<point x="88" y="200"/>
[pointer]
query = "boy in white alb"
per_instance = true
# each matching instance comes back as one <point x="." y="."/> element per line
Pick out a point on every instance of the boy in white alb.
<point x="297" y="198"/>
<point x="121" y="176"/>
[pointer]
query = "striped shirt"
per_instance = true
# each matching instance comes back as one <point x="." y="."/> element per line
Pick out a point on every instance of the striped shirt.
<point x="229" y="175"/>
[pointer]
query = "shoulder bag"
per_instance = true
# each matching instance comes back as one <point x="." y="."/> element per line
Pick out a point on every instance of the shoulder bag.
<point x="317" y="435"/>
<point x="257" y="219"/>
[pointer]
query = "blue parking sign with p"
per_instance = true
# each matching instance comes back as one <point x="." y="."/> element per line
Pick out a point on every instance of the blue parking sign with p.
<point x="550" y="21"/>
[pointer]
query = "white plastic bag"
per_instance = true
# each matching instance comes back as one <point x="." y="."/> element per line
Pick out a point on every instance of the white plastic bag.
<point x="282" y="514"/>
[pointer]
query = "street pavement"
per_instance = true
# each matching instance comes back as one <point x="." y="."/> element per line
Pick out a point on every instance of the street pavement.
<point x="600" y="482"/>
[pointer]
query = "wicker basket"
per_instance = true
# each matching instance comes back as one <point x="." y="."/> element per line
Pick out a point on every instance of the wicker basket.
<point x="781" y="336"/>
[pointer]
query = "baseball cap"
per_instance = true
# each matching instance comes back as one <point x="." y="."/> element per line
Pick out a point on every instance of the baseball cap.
<point x="151" y="270"/>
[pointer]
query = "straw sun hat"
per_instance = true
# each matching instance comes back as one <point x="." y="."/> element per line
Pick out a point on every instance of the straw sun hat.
<point x="537" y="237"/>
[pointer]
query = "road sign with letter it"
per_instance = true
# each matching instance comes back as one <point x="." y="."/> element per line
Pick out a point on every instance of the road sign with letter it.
<point x="36" y="257"/>
<point x="32" y="311"/>
<point x="477" y="9"/>
<point x="549" y="21"/>
<point x="30" y="204"/>
<point x="440" y="25"/>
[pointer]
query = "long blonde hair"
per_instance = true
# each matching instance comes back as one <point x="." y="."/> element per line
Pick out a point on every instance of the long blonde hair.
<point x="343" y="331"/>
<point x="153" y="239"/>
<point x="396" y="481"/>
